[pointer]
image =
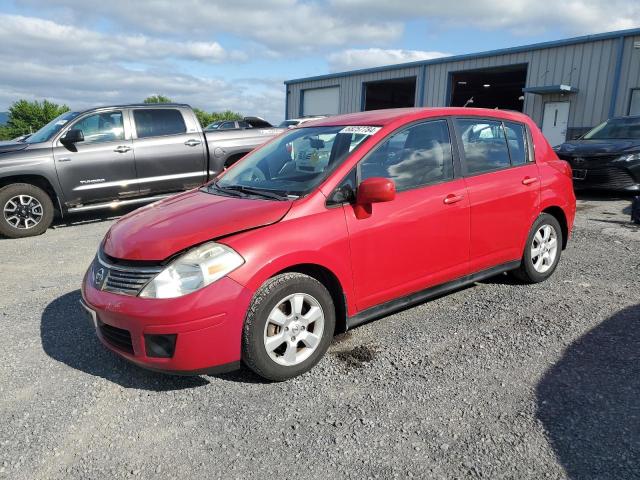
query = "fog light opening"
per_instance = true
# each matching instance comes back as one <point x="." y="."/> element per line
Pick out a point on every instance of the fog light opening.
<point x="160" y="346"/>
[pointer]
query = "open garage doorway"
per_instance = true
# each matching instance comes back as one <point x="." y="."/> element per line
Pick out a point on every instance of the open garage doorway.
<point x="499" y="87"/>
<point x="397" y="93"/>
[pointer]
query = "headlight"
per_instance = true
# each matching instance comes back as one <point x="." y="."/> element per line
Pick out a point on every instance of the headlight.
<point x="192" y="271"/>
<point x="630" y="157"/>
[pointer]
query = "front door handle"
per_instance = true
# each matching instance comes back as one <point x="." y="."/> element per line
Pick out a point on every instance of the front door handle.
<point x="122" y="149"/>
<point x="192" y="142"/>
<point x="529" y="180"/>
<point x="64" y="159"/>
<point x="452" y="198"/>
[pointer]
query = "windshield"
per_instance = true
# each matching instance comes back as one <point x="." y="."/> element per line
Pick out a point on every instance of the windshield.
<point x="47" y="132"/>
<point x="296" y="162"/>
<point x="289" y="123"/>
<point x="616" y="129"/>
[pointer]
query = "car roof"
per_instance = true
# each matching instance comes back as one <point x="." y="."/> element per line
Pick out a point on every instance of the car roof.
<point x="393" y="115"/>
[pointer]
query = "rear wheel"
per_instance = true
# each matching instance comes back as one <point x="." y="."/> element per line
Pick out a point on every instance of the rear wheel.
<point x="288" y="327"/>
<point x="542" y="251"/>
<point x="27" y="210"/>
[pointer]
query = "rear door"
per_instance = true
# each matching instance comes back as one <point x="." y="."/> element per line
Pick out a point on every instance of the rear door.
<point x="504" y="188"/>
<point x="170" y="154"/>
<point x="101" y="168"/>
<point x="421" y="238"/>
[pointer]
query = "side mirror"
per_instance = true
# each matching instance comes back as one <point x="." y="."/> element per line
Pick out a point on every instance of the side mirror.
<point x="74" y="135"/>
<point x="373" y="190"/>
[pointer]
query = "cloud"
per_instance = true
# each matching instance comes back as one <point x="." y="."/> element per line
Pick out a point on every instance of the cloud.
<point x="43" y="38"/>
<point x="353" y="59"/>
<point x="518" y="16"/>
<point x="282" y="26"/>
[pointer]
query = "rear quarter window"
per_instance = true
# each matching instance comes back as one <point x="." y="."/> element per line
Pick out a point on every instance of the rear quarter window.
<point x="158" y="122"/>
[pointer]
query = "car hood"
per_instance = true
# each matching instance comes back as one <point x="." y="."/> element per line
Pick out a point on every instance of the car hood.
<point x="6" y="147"/>
<point x="598" y="147"/>
<point x="160" y="230"/>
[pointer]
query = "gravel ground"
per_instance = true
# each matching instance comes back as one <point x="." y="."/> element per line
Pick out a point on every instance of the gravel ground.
<point x="498" y="380"/>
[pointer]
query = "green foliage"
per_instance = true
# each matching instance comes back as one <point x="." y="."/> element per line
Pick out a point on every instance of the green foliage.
<point x="27" y="117"/>
<point x="206" y="118"/>
<point x="157" y="99"/>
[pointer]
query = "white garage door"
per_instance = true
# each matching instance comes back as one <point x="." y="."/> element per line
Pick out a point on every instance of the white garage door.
<point x="321" y="101"/>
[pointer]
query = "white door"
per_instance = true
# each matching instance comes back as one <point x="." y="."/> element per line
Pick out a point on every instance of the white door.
<point x="554" y="122"/>
<point x="321" y="101"/>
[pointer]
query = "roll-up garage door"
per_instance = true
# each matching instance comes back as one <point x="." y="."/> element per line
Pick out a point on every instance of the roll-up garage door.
<point x="321" y="101"/>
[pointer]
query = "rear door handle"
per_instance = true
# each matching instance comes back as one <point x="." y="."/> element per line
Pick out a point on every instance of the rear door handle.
<point x="122" y="149"/>
<point x="192" y="142"/>
<point x="529" y="180"/>
<point x="452" y="198"/>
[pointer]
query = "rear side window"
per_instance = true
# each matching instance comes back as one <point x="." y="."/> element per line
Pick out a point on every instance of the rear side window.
<point x="516" y="139"/>
<point x="484" y="145"/>
<point x="158" y="122"/>
<point x="413" y="157"/>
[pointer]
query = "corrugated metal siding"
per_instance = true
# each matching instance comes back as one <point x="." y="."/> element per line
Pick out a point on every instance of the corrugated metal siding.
<point x="350" y="88"/>
<point x="630" y="75"/>
<point x="588" y="66"/>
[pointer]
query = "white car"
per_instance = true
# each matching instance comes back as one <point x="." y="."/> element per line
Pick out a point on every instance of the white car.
<point x="294" y="122"/>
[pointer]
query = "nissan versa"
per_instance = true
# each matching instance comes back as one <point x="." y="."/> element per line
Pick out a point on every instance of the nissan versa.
<point x="323" y="228"/>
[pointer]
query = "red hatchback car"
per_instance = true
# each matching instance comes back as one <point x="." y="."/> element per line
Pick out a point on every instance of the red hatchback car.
<point x="326" y="227"/>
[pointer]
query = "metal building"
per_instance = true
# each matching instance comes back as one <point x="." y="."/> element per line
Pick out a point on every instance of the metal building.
<point x="566" y="86"/>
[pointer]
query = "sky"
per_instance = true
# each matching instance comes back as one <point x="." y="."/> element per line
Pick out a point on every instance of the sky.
<point x="235" y="55"/>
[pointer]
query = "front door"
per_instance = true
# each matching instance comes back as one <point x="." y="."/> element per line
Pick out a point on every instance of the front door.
<point x="169" y="158"/>
<point x="554" y="122"/>
<point x="102" y="167"/>
<point x="421" y="238"/>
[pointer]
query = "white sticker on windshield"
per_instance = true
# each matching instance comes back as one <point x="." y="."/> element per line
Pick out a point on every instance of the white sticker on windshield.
<point x="61" y="122"/>
<point x="361" y="130"/>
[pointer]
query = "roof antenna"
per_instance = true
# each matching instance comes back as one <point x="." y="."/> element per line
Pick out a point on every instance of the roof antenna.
<point x="468" y="102"/>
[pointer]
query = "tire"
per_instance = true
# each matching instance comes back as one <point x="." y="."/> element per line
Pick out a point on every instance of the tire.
<point x="533" y="268"/>
<point x="295" y="345"/>
<point x="33" y="220"/>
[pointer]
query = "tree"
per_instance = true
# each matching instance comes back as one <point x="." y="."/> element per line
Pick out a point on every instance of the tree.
<point x="206" y="118"/>
<point x="157" y="99"/>
<point x="27" y="117"/>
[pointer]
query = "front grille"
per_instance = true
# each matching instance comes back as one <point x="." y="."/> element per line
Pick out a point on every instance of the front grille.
<point x="124" y="279"/>
<point x="588" y="162"/>
<point x="610" y="177"/>
<point x="117" y="337"/>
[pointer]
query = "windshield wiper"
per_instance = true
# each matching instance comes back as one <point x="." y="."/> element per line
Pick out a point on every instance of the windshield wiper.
<point x="254" y="191"/>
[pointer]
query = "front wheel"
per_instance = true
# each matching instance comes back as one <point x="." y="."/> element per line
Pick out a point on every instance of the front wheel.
<point x="26" y="210"/>
<point x="542" y="251"/>
<point x="288" y="327"/>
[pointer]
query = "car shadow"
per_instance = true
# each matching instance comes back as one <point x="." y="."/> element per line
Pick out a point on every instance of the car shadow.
<point x="69" y="338"/>
<point x="589" y="401"/>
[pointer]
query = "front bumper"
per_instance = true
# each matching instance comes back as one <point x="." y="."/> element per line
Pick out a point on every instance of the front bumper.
<point x="207" y="324"/>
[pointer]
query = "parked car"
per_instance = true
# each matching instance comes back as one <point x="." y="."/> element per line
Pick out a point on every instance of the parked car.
<point x="246" y="122"/>
<point x="607" y="157"/>
<point x="265" y="263"/>
<point x="294" y="122"/>
<point x="111" y="156"/>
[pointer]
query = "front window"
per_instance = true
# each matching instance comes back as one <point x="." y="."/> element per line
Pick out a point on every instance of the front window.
<point x="47" y="132"/>
<point x="294" y="163"/>
<point x="101" y="127"/>
<point x="616" y="129"/>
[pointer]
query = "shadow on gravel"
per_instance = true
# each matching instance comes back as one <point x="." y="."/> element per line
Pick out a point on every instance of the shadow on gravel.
<point x="69" y="338"/>
<point x="589" y="402"/>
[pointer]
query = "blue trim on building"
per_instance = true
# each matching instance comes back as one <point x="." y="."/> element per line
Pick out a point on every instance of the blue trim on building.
<point x="490" y="53"/>
<point x="423" y="86"/>
<point x="616" y="77"/>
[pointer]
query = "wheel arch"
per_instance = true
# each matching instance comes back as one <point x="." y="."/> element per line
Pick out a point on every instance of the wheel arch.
<point x="39" y="181"/>
<point x="331" y="282"/>
<point x="558" y="213"/>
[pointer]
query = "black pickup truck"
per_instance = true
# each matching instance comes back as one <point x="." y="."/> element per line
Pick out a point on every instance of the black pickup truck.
<point x="111" y="156"/>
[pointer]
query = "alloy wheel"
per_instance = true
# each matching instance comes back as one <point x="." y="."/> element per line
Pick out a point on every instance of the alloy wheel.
<point x="23" y="212"/>
<point x="544" y="248"/>
<point x="294" y="329"/>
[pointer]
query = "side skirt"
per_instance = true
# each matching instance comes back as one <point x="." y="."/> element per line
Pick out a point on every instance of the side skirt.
<point x="402" y="303"/>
